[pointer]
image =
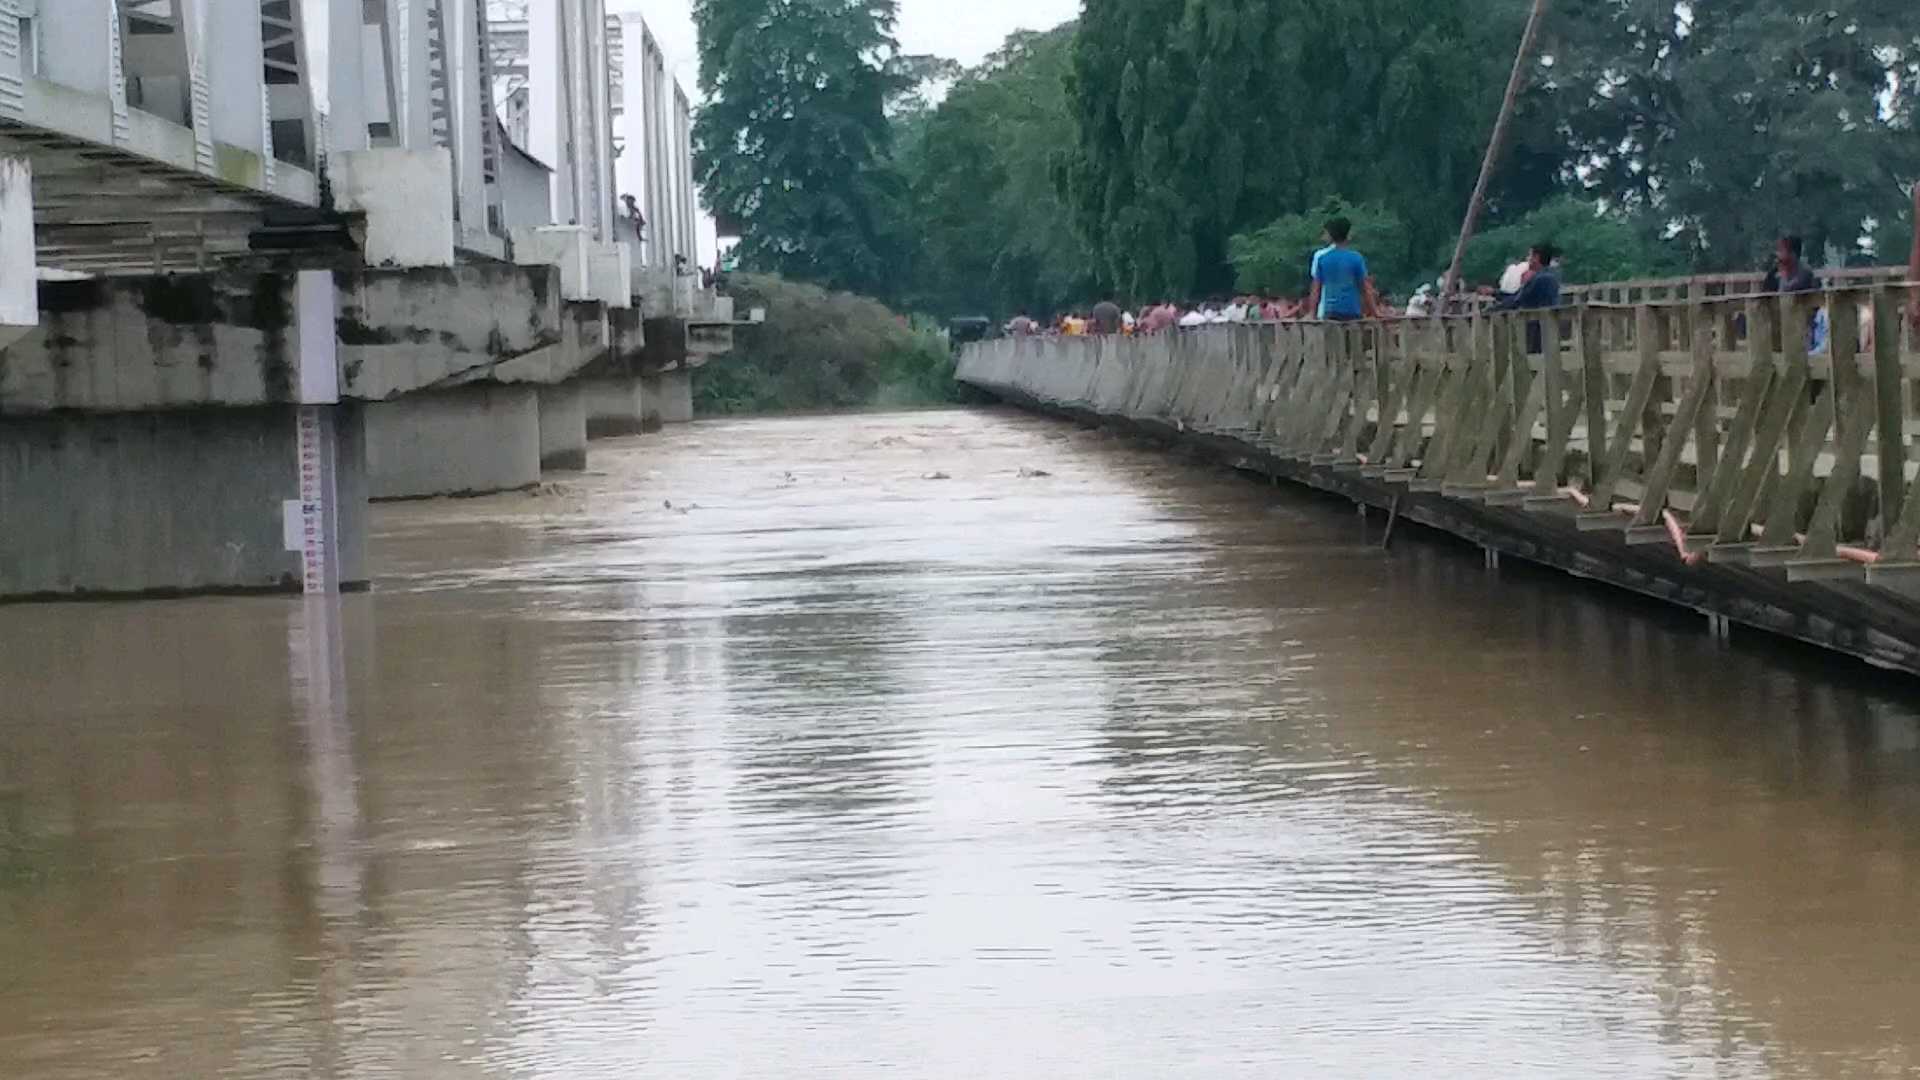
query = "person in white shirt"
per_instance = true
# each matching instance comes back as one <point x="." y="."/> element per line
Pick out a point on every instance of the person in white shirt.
<point x="1515" y="278"/>
<point x="1193" y="318"/>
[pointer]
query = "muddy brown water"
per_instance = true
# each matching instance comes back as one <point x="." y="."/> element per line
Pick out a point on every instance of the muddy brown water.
<point x="759" y="752"/>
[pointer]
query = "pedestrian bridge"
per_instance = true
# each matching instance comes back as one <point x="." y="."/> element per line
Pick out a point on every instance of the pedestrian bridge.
<point x="1692" y="449"/>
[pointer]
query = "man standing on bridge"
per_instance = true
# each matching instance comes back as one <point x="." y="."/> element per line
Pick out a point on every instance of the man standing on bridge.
<point x="1342" y="292"/>
<point x="1790" y="273"/>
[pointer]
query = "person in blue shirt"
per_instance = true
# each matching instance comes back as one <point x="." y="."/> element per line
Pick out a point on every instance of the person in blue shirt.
<point x="1342" y="291"/>
<point x="1542" y="289"/>
<point x="1540" y="293"/>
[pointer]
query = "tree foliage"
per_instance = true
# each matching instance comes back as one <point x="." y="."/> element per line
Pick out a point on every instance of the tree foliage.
<point x="823" y="350"/>
<point x="994" y="234"/>
<point x="794" y="142"/>
<point x="1276" y="259"/>
<point x="1163" y="149"/>
<point x="1198" y="121"/>
<point x="1734" y="121"/>
<point x="1595" y="244"/>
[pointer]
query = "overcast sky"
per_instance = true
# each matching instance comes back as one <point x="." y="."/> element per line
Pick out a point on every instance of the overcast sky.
<point x="964" y="30"/>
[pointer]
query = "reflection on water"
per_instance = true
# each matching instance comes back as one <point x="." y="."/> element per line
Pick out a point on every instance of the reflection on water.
<point x="760" y="754"/>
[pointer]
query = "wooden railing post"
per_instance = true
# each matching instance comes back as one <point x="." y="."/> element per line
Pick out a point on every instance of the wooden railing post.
<point x="1563" y="400"/>
<point x="1647" y="341"/>
<point x="1396" y="375"/>
<point x="1854" y="405"/>
<point x="1686" y="418"/>
<point x="1784" y="404"/>
<point x="1593" y="366"/>
<point x="1762" y="316"/>
<point x="1889" y="392"/>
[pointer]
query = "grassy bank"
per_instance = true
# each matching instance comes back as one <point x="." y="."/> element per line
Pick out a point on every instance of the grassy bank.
<point x="820" y="351"/>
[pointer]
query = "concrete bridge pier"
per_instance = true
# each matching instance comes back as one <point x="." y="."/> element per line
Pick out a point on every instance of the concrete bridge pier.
<point x="166" y="502"/>
<point x="668" y="398"/>
<point x="563" y="428"/>
<point x="465" y="440"/>
<point x="150" y="440"/>
<point x="453" y="363"/>
<point x="615" y="406"/>
<point x="612" y="385"/>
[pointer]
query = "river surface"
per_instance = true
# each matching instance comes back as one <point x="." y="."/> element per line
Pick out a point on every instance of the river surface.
<point x="766" y="751"/>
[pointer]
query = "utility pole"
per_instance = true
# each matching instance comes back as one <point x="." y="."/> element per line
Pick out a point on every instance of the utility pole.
<point x="1496" y="146"/>
<point x="1913" y="264"/>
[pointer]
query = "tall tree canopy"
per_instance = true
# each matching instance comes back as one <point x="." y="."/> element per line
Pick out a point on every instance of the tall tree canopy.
<point x="1732" y="121"/>
<point x="793" y="142"/>
<point x="994" y="233"/>
<point x="1198" y="121"/>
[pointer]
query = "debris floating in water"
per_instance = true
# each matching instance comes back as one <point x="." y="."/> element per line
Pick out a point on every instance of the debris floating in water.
<point x="936" y="476"/>
<point x="1033" y="474"/>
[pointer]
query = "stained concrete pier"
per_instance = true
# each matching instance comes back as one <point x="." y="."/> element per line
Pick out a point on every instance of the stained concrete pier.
<point x="563" y="428"/>
<point x="147" y="424"/>
<point x="469" y="440"/>
<point x="174" y="501"/>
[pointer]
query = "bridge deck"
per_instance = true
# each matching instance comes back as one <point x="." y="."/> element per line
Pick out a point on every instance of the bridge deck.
<point x="131" y="191"/>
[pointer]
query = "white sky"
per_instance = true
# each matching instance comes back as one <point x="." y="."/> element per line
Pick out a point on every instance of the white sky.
<point x="963" y="30"/>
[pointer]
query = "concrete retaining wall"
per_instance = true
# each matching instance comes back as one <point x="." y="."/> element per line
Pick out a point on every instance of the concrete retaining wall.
<point x="1273" y="401"/>
<point x="184" y="501"/>
<point x="470" y="440"/>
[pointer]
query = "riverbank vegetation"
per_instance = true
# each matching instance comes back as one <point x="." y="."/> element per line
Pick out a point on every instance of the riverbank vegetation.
<point x="1158" y="149"/>
<point x="821" y="350"/>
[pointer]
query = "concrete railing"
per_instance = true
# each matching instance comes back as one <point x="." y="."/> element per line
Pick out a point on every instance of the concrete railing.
<point x="1702" y="424"/>
<point x="1708" y="286"/>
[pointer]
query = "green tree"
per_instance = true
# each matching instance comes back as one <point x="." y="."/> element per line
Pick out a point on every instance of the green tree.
<point x="794" y="142"/>
<point x="1199" y="121"/>
<point x="1596" y="245"/>
<point x="995" y="235"/>
<point x="823" y="350"/>
<point x="1275" y="260"/>
<point x="1734" y="121"/>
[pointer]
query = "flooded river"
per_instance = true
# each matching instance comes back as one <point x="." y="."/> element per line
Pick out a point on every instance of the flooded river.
<point x="764" y="751"/>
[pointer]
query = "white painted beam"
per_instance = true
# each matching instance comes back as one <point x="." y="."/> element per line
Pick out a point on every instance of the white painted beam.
<point x="348" y="76"/>
<point x="19" y="285"/>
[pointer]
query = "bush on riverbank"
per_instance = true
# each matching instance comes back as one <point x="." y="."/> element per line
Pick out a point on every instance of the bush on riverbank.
<point x="823" y="350"/>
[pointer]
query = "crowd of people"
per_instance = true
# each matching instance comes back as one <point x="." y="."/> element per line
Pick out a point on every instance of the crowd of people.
<point x="1342" y="290"/>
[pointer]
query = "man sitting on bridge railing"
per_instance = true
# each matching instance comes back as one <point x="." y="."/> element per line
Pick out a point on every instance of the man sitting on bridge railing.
<point x="1541" y="291"/>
